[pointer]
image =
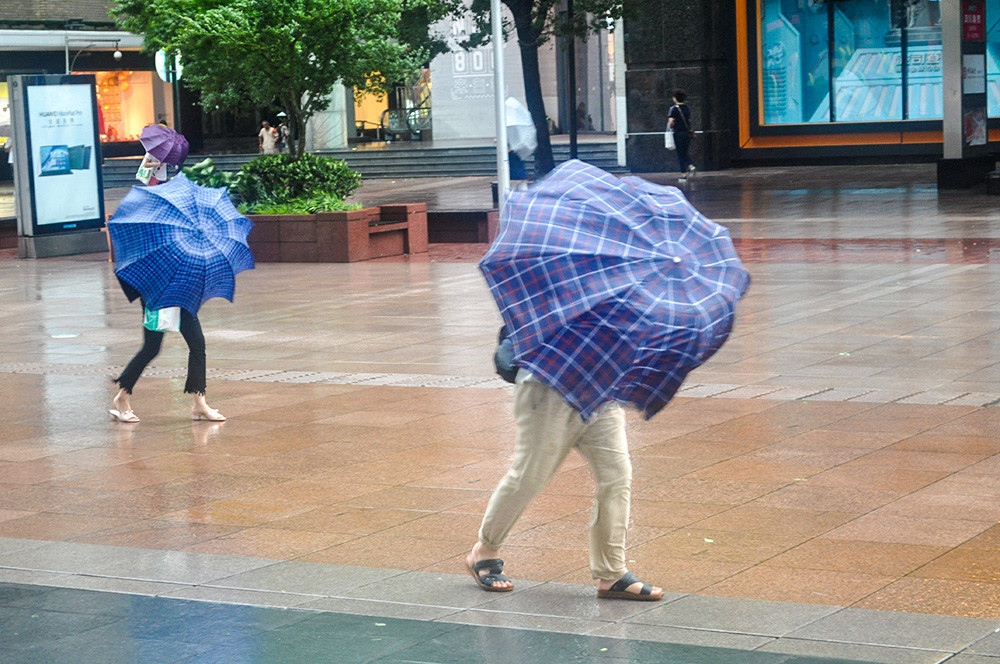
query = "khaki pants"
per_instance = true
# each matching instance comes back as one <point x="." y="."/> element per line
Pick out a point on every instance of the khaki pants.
<point x="548" y="427"/>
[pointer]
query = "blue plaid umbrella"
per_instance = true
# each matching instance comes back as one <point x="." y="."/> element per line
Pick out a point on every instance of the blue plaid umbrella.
<point x="612" y="289"/>
<point x="178" y="244"/>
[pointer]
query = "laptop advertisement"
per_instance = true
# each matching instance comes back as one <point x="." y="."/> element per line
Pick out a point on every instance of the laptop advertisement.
<point x="62" y="151"/>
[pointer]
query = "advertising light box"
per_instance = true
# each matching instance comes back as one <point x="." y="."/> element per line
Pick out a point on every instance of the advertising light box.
<point x="63" y="153"/>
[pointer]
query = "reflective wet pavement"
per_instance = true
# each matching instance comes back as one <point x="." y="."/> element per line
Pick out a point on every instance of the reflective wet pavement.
<point x="55" y="625"/>
<point x="825" y="486"/>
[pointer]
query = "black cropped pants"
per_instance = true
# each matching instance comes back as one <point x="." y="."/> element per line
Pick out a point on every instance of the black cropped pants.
<point x="151" y="342"/>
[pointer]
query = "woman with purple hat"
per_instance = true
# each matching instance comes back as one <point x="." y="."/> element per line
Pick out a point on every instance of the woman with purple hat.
<point x="163" y="146"/>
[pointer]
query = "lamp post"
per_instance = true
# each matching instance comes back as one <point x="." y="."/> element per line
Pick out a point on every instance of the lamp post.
<point x="87" y="43"/>
<point x="169" y="69"/>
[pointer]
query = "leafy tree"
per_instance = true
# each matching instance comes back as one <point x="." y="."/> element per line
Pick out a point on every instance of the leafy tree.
<point x="258" y="52"/>
<point x="535" y="22"/>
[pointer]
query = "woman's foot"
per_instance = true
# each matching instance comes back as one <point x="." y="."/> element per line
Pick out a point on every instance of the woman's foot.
<point x="122" y="412"/>
<point x="483" y="573"/>
<point x="207" y="413"/>
<point x="202" y="411"/>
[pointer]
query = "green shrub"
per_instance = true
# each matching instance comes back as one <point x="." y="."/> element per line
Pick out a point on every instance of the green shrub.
<point x="321" y="202"/>
<point x="280" y="178"/>
<point x="206" y="174"/>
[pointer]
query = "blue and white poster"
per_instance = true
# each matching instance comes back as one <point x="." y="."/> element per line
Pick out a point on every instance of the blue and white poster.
<point x="64" y="154"/>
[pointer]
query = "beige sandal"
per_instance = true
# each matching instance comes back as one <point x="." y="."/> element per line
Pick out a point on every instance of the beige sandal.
<point x="124" y="416"/>
<point x="212" y="415"/>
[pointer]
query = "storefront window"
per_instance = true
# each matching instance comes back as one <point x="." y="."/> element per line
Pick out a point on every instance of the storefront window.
<point x="794" y="55"/>
<point x="862" y="44"/>
<point x="993" y="57"/>
<point x="128" y="101"/>
<point x="4" y="113"/>
<point x="925" y="83"/>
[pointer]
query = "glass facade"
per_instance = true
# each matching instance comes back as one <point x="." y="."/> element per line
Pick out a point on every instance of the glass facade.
<point x="127" y="102"/>
<point x="828" y="61"/>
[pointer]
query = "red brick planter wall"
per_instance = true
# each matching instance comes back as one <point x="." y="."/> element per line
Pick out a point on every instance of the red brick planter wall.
<point x="340" y="237"/>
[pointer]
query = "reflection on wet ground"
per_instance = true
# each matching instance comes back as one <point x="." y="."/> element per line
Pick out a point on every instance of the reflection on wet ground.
<point x="955" y="251"/>
<point x="825" y="485"/>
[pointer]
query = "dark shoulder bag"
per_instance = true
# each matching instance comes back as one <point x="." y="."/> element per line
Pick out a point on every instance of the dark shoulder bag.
<point x="503" y="358"/>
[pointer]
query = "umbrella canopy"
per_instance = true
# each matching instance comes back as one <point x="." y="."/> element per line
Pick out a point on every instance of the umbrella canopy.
<point x="164" y="144"/>
<point x="178" y="244"/>
<point x="612" y="289"/>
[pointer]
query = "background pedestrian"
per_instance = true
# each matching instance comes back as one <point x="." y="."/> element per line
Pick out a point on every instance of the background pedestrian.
<point x="267" y="138"/>
<point x="679" y="122"/>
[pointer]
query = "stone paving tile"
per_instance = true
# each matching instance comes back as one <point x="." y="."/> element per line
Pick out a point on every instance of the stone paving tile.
<point x="903" y="630"/>
<point x="862" y="652"/>
<point x="836" y="451"/>
<point x="752" y="617"/>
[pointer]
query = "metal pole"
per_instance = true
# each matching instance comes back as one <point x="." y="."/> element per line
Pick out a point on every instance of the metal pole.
<point x="831" y="57"/>
<point x="904" y="56"/>
<point x="621" y="99"/>
<point x="571" y="74"/>
<point x="602" y="62"/>
<point x="499" y="95"/>
<point x="177" y="92"/>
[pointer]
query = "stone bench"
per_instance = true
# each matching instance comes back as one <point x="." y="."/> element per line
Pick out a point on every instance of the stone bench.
<point x="340" y="237"/>
<point x="476" y="226"/>
<point x="8" y="233"/>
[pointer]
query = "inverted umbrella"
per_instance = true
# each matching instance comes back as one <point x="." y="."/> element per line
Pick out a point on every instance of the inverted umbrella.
<point x="178" y="244"/>
<point x="164" y="144"/>
<point x="612" y="289"/>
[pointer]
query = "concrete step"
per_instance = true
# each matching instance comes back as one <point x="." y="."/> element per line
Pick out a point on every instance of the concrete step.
<point x="392" y="163"/>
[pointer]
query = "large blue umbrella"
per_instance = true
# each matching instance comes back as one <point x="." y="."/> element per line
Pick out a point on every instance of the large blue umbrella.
<point x="612" y="289"/>
<point x="179" y="244"/>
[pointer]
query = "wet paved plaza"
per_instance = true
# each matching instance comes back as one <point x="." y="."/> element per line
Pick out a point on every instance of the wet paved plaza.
<point x="825" y="487"/>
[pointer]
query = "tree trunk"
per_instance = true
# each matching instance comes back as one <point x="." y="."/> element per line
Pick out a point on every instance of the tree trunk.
<point x="300" y="136"/>
<point x="296" y="127"/>
<point x="528" y="42"/>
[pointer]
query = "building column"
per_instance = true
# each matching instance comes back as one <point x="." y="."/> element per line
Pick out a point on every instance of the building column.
<point x="685" y="44"/>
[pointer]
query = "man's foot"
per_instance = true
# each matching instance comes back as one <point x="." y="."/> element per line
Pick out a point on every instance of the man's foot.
<point x="487" y="569"/>
<point x="628" y="587"/>
<point x="692" y="170"/>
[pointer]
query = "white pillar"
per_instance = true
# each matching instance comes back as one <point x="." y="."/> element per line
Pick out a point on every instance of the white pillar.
<point x="499" y="105"/>
<point x="621" y="102"/>
<point x="951" y="69"/>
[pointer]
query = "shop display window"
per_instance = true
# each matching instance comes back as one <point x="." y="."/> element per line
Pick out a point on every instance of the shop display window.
<point x="842" y="60"/>
<point x="993" y="57"/>
<point x="4" y="112"/>
<point x="125" y="101"/>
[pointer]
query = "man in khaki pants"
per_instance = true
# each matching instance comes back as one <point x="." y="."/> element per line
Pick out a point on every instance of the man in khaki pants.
<point x="548" y="427"/>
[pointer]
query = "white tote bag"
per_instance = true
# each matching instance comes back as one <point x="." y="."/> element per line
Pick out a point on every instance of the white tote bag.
<point x="163" y="320"/>
<point x="668" y="140"/>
